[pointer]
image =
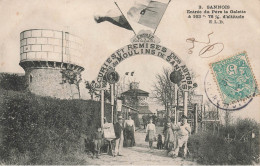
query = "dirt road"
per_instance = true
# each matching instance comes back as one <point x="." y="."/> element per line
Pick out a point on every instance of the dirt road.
<point x="139" y="155"/>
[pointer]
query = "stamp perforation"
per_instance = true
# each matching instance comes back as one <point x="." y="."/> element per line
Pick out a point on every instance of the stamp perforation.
<point x="256" y="93"/>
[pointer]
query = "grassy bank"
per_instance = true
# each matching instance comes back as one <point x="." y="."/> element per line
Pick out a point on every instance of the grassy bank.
<point x="43" y="130"/>
<point x="237" y="144"/>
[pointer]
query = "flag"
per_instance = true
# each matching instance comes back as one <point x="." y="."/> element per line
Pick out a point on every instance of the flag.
<point x="126" y="73"/>
<point x="132" y="73"/>
<point x="148" y="15"/>
<point x="115" y="17"/>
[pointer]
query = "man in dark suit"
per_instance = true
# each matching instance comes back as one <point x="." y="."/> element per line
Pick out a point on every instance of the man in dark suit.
<point x="118" y="127"/>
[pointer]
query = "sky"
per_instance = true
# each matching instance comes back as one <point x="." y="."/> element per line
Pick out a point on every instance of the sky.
<point x="101" y="40"/>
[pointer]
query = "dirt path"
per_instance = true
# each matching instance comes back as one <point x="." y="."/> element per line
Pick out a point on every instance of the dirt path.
<point x="139" y="155"/>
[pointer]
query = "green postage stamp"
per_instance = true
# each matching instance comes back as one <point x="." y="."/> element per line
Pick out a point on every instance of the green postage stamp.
<point x="235" y="78"/>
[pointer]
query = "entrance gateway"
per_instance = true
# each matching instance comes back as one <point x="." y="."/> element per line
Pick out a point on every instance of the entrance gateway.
<point x="145" y="43"/>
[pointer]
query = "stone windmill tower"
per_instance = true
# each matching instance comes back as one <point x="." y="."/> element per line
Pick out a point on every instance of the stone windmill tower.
<point x="52" y="62"/>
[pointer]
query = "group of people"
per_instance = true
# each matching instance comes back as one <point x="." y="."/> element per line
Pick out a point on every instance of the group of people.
<point x="125" y="134"/>
<point x="175" y="136"/>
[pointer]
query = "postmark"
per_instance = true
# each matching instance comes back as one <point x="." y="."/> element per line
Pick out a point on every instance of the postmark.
<point x="235" y="79"/>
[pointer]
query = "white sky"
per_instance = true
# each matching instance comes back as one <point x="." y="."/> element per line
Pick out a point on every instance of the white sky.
<point x="101" y="40"/>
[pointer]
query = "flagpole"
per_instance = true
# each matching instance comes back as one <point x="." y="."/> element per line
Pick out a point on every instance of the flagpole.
<point x="161" y="17"/>
<point x="124" y="16"/>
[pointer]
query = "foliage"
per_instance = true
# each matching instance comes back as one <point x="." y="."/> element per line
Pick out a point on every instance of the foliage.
<point x="94" y="92"/>
<point x="232" y="145"/>
<point x="91" y="89"/>
<point x="163" y="88"/>
<point x="42" y="130"/>
<point x="12" y="82"/>
<point x="71" y="77"/>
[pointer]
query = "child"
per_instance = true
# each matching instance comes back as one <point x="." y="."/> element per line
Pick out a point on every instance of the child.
<point x="98" y="141"/>
<point x="89" y="146"/>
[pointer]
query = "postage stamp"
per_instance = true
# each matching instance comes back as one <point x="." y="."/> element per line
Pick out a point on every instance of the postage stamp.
<point x="235" y="78"/>
<point x="212" y="93"/>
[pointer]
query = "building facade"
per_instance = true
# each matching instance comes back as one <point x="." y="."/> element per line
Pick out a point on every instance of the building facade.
<point x="137" y="99"/>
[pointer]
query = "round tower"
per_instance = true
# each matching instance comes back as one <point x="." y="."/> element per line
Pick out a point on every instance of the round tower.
<point x="52" y="62"/>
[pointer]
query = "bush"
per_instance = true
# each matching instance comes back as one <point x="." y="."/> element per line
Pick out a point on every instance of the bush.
<point x="208" y="149"/>
<point x="12" y="82"/>
<point x="35" y="128"/>
<point x="216" y="149"/>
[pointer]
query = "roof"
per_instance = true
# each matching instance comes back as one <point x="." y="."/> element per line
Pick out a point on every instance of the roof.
<point x="133" y="92"/>
<point x="129" y="107"/>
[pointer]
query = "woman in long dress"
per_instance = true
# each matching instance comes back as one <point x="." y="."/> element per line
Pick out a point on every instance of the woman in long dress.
<point x="150" y="130"/>
<point x="169" y="137"/>
<point x="129" y="132"/>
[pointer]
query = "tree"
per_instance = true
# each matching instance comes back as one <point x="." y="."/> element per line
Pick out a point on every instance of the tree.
<point x="12" y="82"/>
<point x="94" y="92"/>
<point x="163" y="89"/>
<point x="71" y="77"/>
<point x="91" y="89"/>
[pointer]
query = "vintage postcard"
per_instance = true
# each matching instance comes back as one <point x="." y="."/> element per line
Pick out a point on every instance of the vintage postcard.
<point x="129" y="82"/>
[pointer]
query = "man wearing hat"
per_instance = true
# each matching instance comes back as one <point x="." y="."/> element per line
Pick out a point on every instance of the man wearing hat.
<point x="182" y="136"/>
<point x="118" y="127"/>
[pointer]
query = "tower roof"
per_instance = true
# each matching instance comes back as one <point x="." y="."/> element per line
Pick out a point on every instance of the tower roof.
<point x="133" y="92"/>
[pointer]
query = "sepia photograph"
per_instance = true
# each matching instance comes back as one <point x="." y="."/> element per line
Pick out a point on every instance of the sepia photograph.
<point x="129" y="82"/>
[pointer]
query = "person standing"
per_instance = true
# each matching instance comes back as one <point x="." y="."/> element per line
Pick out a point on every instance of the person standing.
<point x="169" y="138"/>
<point x="118" y="127"/>
<point x="182" y="136"/>
<point x="175" y="128"/>
<point x="130" y="132"/>
<point x="150" y="130"/>
<point x="98" y="141"/>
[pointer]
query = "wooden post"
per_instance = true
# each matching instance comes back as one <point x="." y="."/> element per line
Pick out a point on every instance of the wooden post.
<point x="112" y="101"/>
<point x="201" y="122"/>
<point x="216" y="118"/>
<point x="204" y="115"/>
<point x="175" y="102"/>
<point x="217" y="112"/>
<point x="196" y="118"/>
<point x="214" y="126"/>
<point x="177" y="108"/>
<point x="185" y="102"/>
<point x="102" y="107"/>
